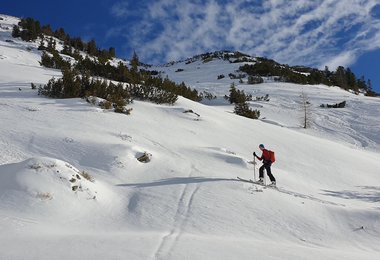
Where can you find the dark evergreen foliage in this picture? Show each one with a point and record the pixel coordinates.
(46, 29)
(150, 72)
(54, 60)
(29, 29)
(47, 60)
(342, 77)
(42, 47)
(243, 109)
(16, 31)
(74, 85)
(69, 86)
(262, 98)
(207, 95)
(337, 105)
(61, 34)
(237, 96)
(255, 79)
(230, 56)
(136, 78)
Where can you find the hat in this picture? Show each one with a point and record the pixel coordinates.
(261, 146)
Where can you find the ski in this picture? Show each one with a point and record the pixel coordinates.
(246, 180)
(252, 182)
(258, 183)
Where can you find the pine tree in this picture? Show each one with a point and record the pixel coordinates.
(233, 92)
(369, 84)
(71, 84)
(112, 52)
(91, 48)
(16, 31)
(135, 76)
(60, 34)
(361, 84)
(47, 61)
(135, 62)
(51, 45)
(46, 29)
(236, 96)
(340, 77)
(350, 79)
(243, 109)
(41, 47)
(327, 72)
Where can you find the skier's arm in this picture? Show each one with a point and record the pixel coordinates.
(260, 158)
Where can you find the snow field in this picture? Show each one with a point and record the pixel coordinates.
(186, 203)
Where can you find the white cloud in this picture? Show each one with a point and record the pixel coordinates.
(344, 58)
(308, 32)
(120, 9)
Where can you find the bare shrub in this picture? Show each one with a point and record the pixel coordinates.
(44, 195)
(87, 176)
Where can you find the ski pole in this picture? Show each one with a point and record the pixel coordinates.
(254, 168)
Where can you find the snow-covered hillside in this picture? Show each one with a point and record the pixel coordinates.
(358, 124)
(71, 186)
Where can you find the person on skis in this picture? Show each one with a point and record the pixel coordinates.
(267, 163)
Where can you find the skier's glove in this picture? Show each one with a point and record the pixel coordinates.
(254, 154)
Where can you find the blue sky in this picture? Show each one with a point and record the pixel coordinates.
(315, 33)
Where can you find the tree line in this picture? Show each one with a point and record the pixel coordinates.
(142, 85)
(29, 29)
(72, 84)
(79, 69)
(341, 77)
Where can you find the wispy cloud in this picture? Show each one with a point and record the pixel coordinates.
(120, 9)
(309, 32)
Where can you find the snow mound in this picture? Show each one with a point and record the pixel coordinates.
(44, 179)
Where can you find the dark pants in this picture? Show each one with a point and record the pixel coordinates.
(266, 166)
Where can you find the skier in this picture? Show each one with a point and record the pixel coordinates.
(267, 162)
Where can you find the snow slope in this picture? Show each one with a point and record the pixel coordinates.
(186, 203)
(358, 124)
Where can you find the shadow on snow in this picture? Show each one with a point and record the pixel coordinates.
(174, 181)
(368, 193)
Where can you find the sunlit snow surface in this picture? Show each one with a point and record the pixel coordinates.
(186, 203)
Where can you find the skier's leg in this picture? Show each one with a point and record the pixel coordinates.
(261, 172)
(269, 173)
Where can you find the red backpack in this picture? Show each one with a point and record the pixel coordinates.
(272, 156)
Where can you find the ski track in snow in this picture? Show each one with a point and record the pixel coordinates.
(308, 197)
(18, 221)
(168, 241)
(253, 188)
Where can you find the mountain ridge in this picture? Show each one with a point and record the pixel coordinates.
(30, 29)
